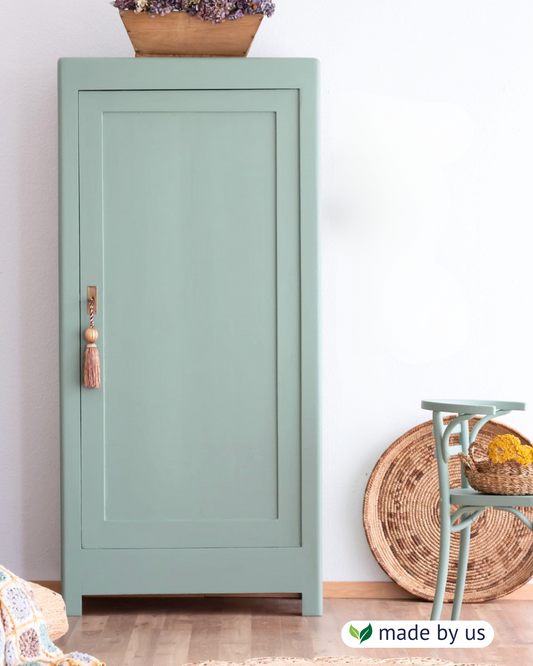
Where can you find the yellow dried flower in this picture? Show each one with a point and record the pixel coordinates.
(524, 454)
(508, 447)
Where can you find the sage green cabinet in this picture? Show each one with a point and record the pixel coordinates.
(188, 196)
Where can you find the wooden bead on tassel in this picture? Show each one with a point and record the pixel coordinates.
(91, 335)
(91, 360)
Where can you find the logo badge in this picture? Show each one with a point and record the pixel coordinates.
(417, 633)
(362, 635)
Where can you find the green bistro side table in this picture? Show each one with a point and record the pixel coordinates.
(471, 503)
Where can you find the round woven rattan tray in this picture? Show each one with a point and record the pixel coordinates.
(401, 521)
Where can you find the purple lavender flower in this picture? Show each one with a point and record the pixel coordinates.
(244, 7)
(125, 4)
(161, 7)
(214, 11)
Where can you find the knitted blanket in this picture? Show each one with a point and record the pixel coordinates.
(24, 638)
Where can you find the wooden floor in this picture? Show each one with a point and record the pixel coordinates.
(169, 631)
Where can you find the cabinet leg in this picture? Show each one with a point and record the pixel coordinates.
(312, 601)
(73, 600)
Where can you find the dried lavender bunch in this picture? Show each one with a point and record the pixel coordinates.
(214, 11)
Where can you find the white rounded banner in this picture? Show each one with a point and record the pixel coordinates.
(416, 633)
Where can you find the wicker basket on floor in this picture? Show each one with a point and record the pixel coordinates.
(508, 478)
(53, 609)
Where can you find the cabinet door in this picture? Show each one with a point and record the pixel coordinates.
(189, 227)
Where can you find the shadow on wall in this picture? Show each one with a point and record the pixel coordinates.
(390, 207)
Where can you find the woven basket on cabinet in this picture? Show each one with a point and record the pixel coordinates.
(178, 35)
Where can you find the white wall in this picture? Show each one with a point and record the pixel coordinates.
(427, 208)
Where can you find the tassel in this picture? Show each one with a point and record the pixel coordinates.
(91, 366)
(91, 358)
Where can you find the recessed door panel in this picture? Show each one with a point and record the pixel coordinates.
(189, 226)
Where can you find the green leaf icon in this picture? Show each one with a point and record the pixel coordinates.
(354, 632)
(365, 633)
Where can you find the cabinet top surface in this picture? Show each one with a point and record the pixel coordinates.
(185, 62)
(190, 73)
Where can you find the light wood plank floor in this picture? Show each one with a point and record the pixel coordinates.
(169, 631)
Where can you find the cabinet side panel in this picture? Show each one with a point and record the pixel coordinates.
(310, 318)
(69, 342)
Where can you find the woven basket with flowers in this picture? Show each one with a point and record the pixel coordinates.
(505, 469)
